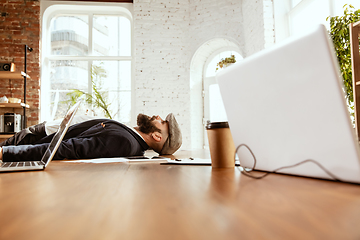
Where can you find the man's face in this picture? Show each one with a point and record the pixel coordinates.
(161, 124)
(152, 124)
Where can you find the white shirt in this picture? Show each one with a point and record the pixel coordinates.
(137, 132)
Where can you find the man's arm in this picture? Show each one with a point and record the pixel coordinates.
(74, 148)
(22, 152)
(96, 142)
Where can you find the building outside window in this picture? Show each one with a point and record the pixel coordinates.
(86, 46)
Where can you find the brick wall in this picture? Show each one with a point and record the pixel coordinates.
(161, 59)
(253, 27)
(211, 19)
(20, 26)
(269, 31)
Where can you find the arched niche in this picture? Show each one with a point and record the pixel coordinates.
(201, 56)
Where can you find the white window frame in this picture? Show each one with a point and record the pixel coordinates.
(284, 12)
(49, 9)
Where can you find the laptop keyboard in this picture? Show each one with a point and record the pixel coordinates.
(19, 164)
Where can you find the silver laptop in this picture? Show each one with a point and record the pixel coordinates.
(49, 153)
(287, 105)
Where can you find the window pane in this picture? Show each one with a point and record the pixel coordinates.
(111, 36)
(339, 10)
(315, 13)
(217, 109)
(124, 108)
(295, 2)
(64, 77)
(69, 35)
(114, 81)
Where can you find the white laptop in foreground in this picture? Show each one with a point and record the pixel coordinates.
(287, 105)
(50, 151)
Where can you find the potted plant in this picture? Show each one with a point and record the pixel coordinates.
(225, 62)
(340, 35)
(98, 98)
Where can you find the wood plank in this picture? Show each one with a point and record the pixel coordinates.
(153, 201)
(119, 1)
(357, 24)
(355, 65)
(13, 75)
(13, 105)
(3, 137)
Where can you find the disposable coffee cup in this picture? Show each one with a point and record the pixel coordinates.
(221, 144)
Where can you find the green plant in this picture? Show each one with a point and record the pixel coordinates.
(98, 98)
(340, 35)
(224, 62)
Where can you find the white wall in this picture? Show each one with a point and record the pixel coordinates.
(168, 33)
(161, 55)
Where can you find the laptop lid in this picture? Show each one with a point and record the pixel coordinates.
(287, 105)
(59, 135)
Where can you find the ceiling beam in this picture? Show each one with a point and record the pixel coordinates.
(124, 1)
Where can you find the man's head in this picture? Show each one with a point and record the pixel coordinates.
(147, 125)
(163, 136)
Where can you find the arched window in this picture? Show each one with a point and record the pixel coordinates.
(87, 47)
(214, 110)
(202, 79)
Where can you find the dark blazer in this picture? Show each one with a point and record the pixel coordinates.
(99, 138)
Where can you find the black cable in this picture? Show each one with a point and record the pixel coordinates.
(247, 172)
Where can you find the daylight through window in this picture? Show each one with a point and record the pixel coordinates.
(87, 54)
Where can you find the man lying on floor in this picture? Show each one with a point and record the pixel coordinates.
(97, 138)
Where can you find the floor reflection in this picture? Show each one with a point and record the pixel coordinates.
(224, 182)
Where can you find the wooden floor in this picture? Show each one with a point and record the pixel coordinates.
(154, 201)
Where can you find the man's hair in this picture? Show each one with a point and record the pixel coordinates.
(146, 125)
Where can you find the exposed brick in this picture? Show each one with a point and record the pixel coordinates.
(20, 27)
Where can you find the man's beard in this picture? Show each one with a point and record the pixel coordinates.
(146, 125)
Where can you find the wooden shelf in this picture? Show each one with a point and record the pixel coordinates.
(357, 24)
(6, 135)
(13, 75)
(354, 29)
(14, 105)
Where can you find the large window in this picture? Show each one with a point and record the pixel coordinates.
(294, 17)
(87, 49)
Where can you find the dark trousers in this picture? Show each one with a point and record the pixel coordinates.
(26, 136)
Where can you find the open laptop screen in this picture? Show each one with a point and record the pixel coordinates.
(287, 104)
(59, 135)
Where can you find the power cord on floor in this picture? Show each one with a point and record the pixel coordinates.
(247, 172)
